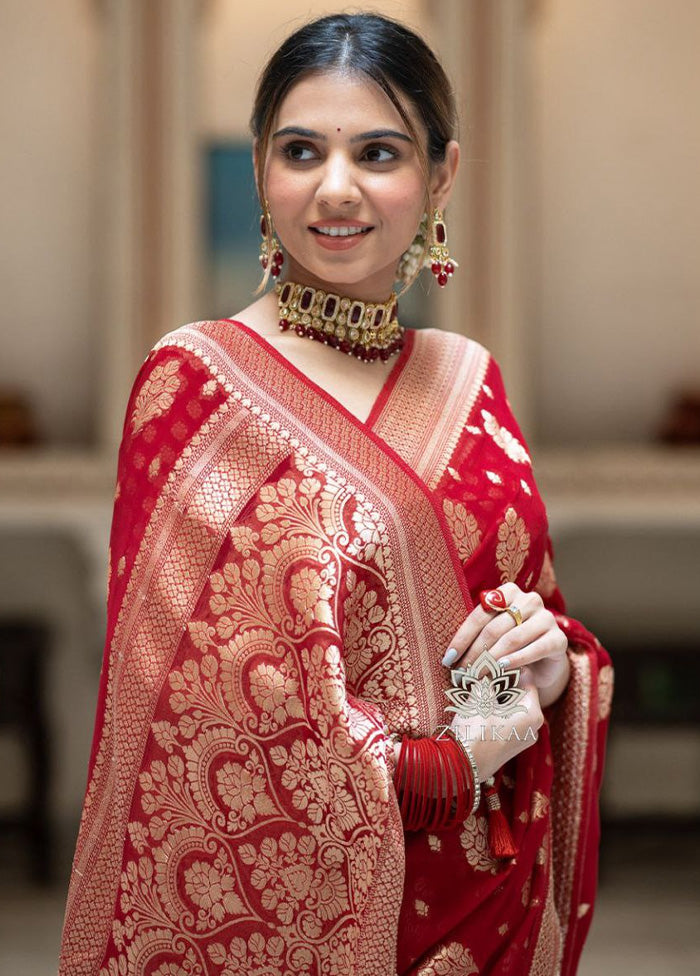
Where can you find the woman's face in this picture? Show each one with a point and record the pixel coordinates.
(340, 157)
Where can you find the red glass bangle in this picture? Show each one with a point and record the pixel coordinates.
(435, 785)
(430, 776)
(422, 784)
(406, 783)
(412, 770)
(412, 774)
(465, 792)
(426, 785)
(456, 770)
(445, 794)
(464, 786)
(400, 766)
(440, 787)
(418, 783)
(448, 762)
(402, 770)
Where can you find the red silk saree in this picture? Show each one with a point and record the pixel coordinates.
(284, 580)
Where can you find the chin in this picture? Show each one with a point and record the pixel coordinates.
(345, 274)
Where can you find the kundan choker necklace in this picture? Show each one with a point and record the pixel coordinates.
(367, 330)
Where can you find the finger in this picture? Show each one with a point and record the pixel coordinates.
(473, 625)
(547, 646)
(502, 633)
(526, 681)
(516, 638)
(527, 678)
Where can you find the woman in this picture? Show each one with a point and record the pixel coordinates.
(298, 541)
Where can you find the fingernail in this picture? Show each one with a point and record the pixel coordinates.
(450, 656)
(505, 662)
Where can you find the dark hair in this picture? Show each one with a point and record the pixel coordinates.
(389, 53)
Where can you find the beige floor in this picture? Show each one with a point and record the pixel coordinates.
(647, 916)
(646, 922)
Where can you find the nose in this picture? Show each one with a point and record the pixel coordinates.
(337, 186)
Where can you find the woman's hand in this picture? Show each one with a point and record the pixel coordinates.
(496, 739)
(537, 642)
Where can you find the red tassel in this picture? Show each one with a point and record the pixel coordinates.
(500, 838)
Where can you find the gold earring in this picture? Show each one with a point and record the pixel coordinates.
(270, 250)
(439, 260)
(413, 257)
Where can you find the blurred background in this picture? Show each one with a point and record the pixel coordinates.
(128, 209)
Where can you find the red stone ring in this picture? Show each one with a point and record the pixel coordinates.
(493, 600)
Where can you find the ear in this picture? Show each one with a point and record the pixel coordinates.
(444, 174)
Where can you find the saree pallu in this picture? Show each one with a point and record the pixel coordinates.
(283, 582)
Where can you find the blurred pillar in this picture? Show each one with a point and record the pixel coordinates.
(151, 186)
(482, 43)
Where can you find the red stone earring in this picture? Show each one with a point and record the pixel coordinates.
(441, 264)
(270, 250)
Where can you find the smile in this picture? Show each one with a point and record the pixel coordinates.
(341, 231)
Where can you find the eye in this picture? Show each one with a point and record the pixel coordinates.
(293, 151)
(392, 154)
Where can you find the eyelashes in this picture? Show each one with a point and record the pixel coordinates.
(292, 147)
(288, 150)
(393, 154)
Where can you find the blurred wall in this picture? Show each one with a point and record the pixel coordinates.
(615, 232)
(237, 38)
(49, 174)
(613, 215)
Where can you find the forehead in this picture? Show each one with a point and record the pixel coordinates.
(332, 100)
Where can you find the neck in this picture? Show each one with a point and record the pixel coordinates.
(375, 289)
(367, 330)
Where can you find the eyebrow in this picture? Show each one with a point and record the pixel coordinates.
(297, 130)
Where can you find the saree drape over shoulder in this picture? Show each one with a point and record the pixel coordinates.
(284, 581)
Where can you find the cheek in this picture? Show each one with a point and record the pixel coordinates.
(404, 215)
(284, 191)
(403, 202)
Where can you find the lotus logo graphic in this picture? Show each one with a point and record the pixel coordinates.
(495, 693)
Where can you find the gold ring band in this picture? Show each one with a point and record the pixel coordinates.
(515, 614)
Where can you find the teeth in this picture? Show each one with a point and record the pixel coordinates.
(341, 231)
